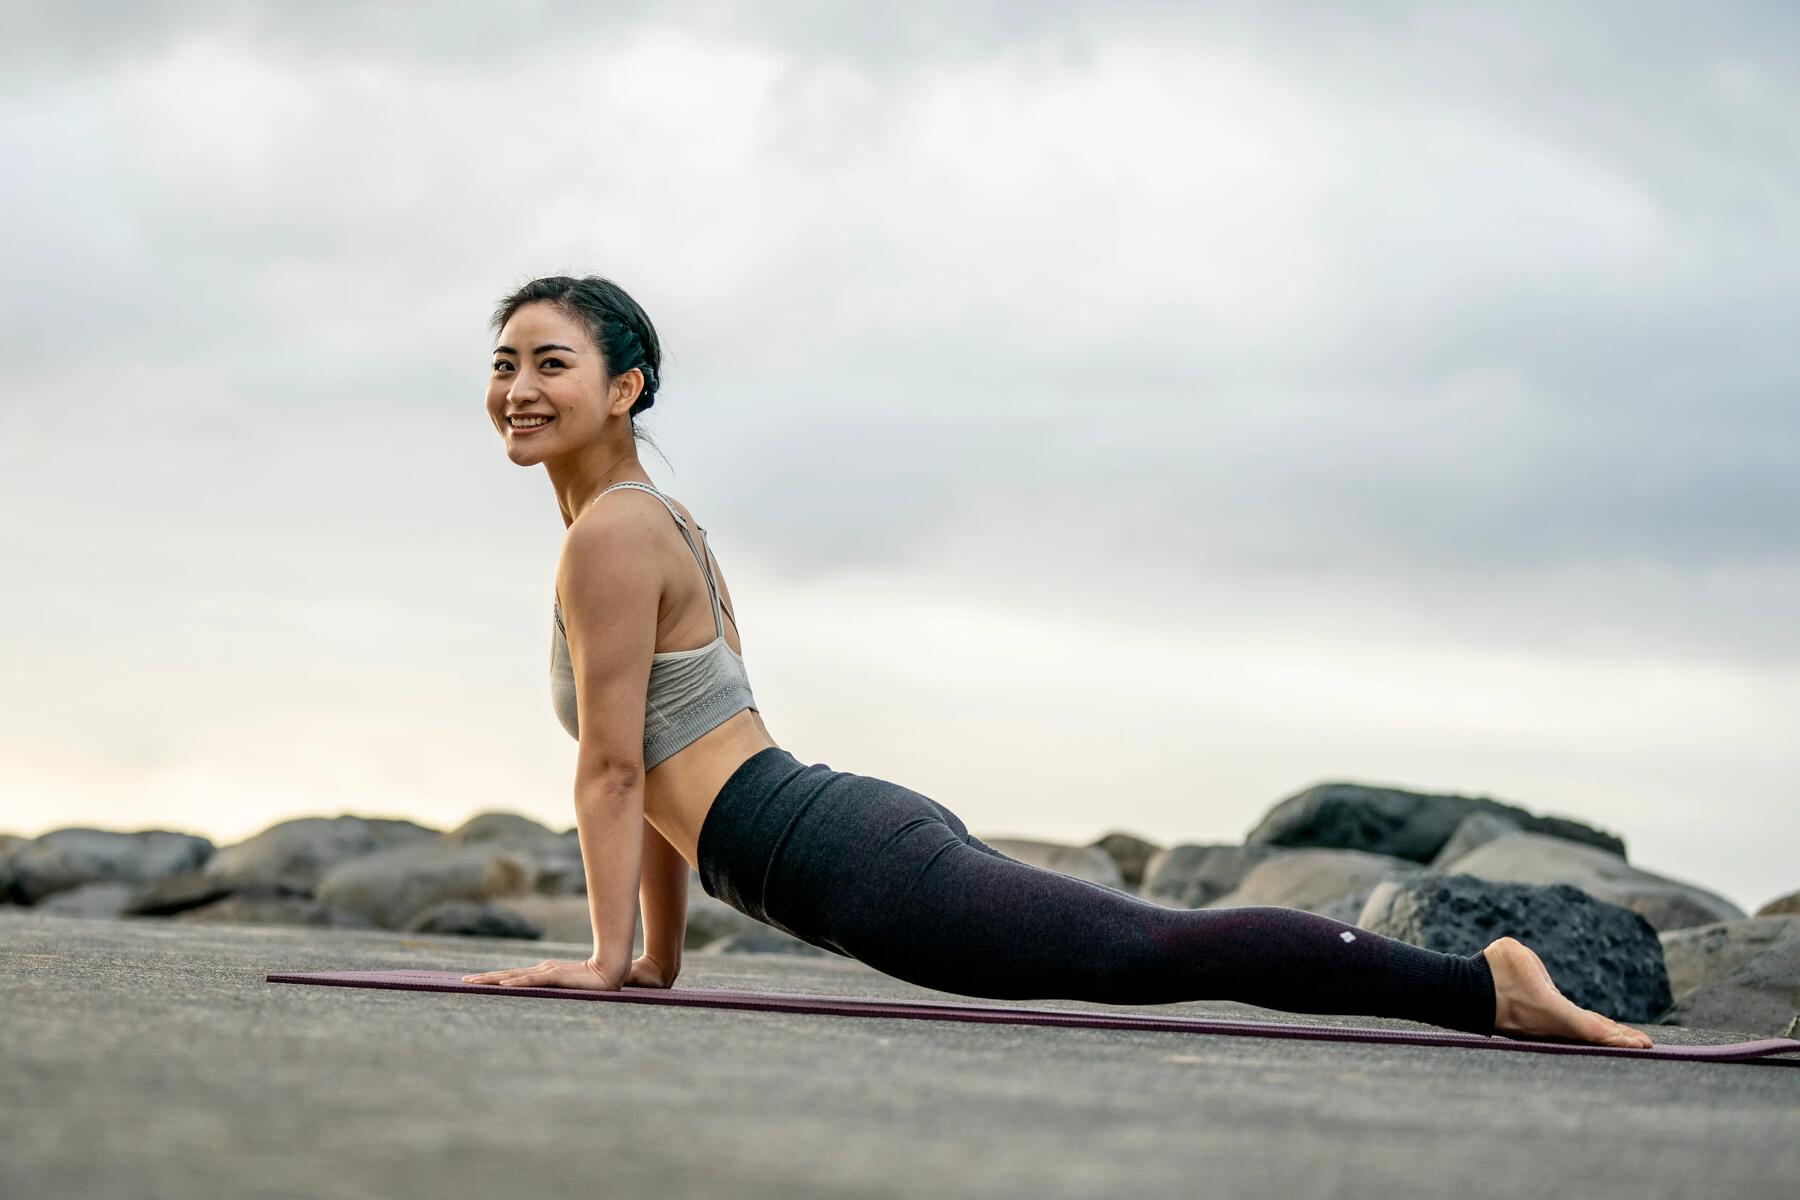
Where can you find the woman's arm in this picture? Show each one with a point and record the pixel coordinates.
(663, 893)
(610, 589)
(609, 813)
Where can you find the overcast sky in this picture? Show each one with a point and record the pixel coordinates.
(1106, 417)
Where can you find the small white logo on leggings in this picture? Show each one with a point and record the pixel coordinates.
(1347, 936)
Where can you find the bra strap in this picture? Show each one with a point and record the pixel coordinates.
(712, 590)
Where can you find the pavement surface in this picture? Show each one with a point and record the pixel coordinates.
(149, 1058)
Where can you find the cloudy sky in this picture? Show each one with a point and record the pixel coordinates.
(1107, 417)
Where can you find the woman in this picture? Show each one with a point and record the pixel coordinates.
(675, 766)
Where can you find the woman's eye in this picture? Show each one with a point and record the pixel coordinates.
(548, 361)
(498, 365)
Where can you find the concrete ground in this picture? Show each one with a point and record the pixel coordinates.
(148, 1058)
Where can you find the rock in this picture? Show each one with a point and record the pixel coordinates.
(1476, 829)
(762, 940)
(1702, 953)
(174, 893)
(1535, 858)
(499, 827)
(7, 842)
(103, 899)
(1083, 862)
(67, 858)
(1758, 996)
(1189, 876)
(564, 918)
(1314, 879)
(297, 853)
(1346, 908)
(1599, 955)
(389, 887)
(1130, 853)
(473, 919)
(1781, 906)
(710, 919)
(270, 904)
(1411, 825)
(557, 861)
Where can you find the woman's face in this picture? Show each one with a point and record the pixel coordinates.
(546, 365)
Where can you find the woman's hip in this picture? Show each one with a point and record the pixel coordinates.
(783, 839)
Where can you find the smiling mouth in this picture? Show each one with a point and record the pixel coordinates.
(530, 426)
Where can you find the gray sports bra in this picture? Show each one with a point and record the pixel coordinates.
(691, 691)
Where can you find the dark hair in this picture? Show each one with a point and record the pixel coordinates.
(620, 327)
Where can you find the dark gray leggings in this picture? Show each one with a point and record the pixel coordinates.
(879, 873)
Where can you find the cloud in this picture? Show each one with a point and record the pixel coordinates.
(1453, 327)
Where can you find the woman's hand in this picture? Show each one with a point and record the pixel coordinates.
(647, 972)
(589, 975)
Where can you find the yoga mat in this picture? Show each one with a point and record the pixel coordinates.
(843, 1006)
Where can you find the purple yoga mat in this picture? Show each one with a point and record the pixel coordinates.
(843, 1006)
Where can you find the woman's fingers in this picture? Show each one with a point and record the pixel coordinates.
(502, 976)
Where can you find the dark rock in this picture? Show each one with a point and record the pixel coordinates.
(1599, 955)
(68, 858)
(1535, 858)
(7, 842)
(297, 853)
(1411, 825)
(1191, 876)
(473, 919)
(1131, 853)
(1314, 880)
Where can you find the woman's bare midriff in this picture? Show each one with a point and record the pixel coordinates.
(679, 791)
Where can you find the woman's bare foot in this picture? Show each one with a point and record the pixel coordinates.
(1527, 1004)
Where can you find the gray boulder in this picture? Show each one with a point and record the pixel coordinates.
(763, 940)
(473, 919)
(390, 887)
(499, 827)
(710, 919)
(1315, 880)
(1130, 853)
(1411, 825)
(1781, 906)
(104, 899)
(1700, 954)
(1477, 829)
(67, 858)
(1534, 858)
(564, 918)
(174, 893)
(7, 842)
(1599, 955)
(1191, 876)
(1758, 996)
(297, 853)
(270, 904)
(1083, 862)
